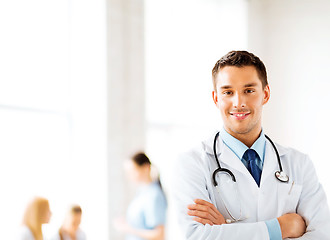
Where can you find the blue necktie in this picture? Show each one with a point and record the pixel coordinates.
(251, 157)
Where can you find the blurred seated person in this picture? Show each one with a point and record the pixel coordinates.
(37, 213)
(70, 229)
(146, 214)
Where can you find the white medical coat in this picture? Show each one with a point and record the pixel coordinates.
(303, 194)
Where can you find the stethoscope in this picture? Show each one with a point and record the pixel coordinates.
(279, 175)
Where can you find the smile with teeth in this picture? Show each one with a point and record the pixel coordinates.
(240, 116)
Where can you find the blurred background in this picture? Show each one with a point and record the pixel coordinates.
(85, 83)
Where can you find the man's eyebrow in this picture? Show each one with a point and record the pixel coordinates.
(226, 87)
(250, 85)
(246, 85)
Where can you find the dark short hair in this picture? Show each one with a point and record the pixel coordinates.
(240, 59)
(75, 209)
(141, 159)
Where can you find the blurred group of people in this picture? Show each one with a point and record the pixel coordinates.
(38, 213)
(145, 218)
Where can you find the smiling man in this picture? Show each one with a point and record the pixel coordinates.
(239, 184)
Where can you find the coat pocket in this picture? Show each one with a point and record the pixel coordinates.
(288, 197)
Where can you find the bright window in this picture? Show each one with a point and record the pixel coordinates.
(53, 111)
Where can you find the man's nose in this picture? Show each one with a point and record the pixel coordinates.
(238, 101)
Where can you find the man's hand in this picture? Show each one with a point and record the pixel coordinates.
(292, 225)
(205, 213)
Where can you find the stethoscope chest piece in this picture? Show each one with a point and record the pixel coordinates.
(281, 176)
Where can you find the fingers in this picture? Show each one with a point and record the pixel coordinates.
(203, 202)
(205, 213)
(206, 203)
(202, 215)
(203, 205)
(202, 211)
(203, 221)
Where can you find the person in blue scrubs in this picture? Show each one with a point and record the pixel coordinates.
(146, 214)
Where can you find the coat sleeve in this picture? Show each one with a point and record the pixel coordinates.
(313, 205)
(189, 183)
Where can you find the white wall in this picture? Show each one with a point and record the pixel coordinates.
(88, 105)
(292, 38)
(53, 111)
(126, 99)
(71, 108)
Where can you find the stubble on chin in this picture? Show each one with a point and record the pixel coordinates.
(239, 130)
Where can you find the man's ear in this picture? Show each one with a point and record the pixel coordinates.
(266, 94)
(215, 97)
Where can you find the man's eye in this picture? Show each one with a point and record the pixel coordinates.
(249, 91)
(227, 92)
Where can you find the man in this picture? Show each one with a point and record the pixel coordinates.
(251, 193)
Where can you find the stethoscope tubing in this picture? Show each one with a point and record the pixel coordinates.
(220, 169)
(277, 154)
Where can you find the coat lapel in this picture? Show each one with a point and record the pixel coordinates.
(270, 161)
(227, 158)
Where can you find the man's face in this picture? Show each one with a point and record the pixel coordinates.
(240, 98)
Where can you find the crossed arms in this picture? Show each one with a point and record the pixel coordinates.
(292, 224)
(202, 220)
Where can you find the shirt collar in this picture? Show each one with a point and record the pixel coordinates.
(239, 148)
